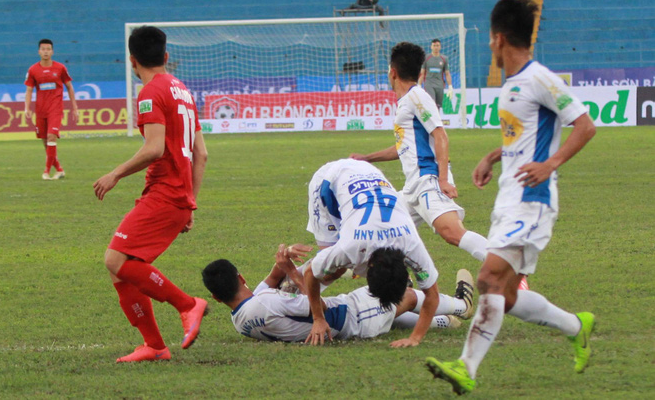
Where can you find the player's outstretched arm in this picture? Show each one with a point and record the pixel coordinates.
(153, 148)
(425, 316)
(387, 154)
(320, 326)
(483, 172)
(442, 155)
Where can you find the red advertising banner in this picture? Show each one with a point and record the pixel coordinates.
(300, 105)
(105, 115)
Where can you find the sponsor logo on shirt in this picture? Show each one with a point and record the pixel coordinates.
(514, 93)
(358, 186)
(48, 86)
(510, 126)
(145, 106)
(120, 235)
(435, 70)
(399, 132)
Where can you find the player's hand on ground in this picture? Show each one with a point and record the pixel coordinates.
(320, 328)
(104, 184)
(189, 225)
(357, 156)
(409, 342)
(534, 173)
(482, 173)
(448, 189)
(297, 251)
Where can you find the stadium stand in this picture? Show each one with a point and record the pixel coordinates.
(577, 34)
(90, 39)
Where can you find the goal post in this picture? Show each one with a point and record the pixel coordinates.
(300, 74)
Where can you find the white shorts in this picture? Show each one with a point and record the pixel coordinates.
(426, 202)
(365, 318)
(519, 234)
(321, 223)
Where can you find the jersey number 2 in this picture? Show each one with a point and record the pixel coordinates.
(189, 117)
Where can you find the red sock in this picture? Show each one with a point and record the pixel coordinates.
(51, 155)
(153, 283)
(138, 310)
(56, 164)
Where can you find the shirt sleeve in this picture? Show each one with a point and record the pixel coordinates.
(65, 77)
(551, 92)
(329, 260)
(421, 265)
(425, 109)
(150, 107)
(29, 79)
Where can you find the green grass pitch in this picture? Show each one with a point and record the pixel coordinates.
(62, 328)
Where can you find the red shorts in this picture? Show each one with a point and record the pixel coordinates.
(50, 124)
(148, 230)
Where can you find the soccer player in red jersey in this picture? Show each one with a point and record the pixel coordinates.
(49, 78)
(174, 153)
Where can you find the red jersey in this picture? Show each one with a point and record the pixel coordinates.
(49, 83)
(165, 100)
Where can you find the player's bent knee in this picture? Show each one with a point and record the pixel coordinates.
(114, 260)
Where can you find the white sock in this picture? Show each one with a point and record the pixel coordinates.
(534, 308)
(408, 321)
(475, 244)
(447, 305)
(485, 326)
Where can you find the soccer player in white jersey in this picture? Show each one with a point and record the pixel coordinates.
(270, 314)
(533, 105)
(355, 211)
(422, 146)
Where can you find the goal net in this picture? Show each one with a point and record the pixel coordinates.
(300, 74)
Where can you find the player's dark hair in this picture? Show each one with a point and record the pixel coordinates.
(221, 278)
(46, 41)
(436, 40)
(407, 59)
(387, 276)
(148, 45)
(515, 20)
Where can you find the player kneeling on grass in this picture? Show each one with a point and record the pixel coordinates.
(354, 212)
(534, 103)
(270, 314)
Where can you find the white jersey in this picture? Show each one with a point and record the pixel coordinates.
(416, 117)
(533, 105)
(359, 195)
(273, 315)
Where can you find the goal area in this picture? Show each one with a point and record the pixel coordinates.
(300, 74)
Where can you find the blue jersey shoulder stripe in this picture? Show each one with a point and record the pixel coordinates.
(329, 199)
(427, 164)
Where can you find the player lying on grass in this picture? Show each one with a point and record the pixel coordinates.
(354, 210)
(270, 314)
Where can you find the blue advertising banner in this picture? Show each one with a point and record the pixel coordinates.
(644, 77)
(83, 91)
